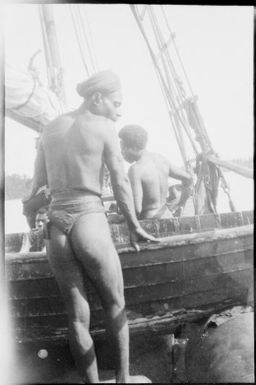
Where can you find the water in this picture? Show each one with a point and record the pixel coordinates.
(15, 221)
(241, 189)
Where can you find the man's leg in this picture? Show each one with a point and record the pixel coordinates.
(69, 275)
(93, 246)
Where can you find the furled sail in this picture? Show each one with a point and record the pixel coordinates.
(27, 100)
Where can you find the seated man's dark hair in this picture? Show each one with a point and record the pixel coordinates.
(134, 136)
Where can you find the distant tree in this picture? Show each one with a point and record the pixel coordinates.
(17, 186)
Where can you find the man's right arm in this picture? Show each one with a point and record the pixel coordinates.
(120, 182)
(40, 174)
(187, 182)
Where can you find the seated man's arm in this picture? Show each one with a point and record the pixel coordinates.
(136, 186)
(185, 178)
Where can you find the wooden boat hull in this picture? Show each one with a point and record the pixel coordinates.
(203, 264)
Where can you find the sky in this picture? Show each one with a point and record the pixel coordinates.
(216, 45)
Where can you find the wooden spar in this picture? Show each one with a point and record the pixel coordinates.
(54, 64)
(244, 171)
(28, 122)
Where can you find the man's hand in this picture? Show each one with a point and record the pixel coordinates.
(177, 211)
(140, 235)
(115, 218)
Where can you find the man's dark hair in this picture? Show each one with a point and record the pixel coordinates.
(134, 136)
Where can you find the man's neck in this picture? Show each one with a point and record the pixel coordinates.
(144, 154)
(85, 108)
(80, 110)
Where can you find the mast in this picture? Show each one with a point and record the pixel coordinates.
(52, 53)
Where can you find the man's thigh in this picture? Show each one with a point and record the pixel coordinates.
(92, 243)
(68, 272)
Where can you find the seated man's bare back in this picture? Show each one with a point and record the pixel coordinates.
(149, 180)
(149, 174)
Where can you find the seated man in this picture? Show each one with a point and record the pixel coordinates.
(149, 175)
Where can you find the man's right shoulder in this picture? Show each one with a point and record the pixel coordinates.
(107, 129)
(60, 120)
(134, 169)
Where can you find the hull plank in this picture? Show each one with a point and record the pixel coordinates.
(189, 275)
(226, 282)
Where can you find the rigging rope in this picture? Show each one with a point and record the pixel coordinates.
(84, 39)
(167, 90)
(89, 42)
(76, 29)
(163, 54)
(183, 110)
(176, 48)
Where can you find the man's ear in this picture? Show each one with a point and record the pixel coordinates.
(97, 98)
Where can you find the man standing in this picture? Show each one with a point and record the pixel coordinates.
(71, 158)
(149, 175)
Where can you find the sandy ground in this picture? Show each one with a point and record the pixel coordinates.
(154, 356)
(148, 356)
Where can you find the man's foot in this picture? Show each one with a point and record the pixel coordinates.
(140, 380)
(132, 380)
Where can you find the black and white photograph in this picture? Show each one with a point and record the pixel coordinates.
(127, 193)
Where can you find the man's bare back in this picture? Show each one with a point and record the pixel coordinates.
(74, 148)
(150, 173)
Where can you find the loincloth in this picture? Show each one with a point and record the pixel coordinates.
(63, 213)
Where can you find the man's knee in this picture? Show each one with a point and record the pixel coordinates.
(115, 300)
(79, 318)
(79, 323)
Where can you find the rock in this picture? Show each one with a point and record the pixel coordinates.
(224, 353)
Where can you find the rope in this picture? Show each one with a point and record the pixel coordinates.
(173, 112)
(28, 98)
(75, 25)
(83, 38)
(89, 40)
(226, 190)
(181, 92)
(35, 81)
(192, 142)
(176, 49)
(164, 54)
(84, 34)
(174, 94)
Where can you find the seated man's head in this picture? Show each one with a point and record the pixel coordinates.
(41, 217)
(102, 94)
(133, 140)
